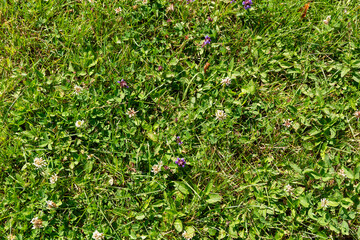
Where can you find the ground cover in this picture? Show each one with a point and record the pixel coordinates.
(179, 119)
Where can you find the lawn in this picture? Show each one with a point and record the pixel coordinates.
(179, 119)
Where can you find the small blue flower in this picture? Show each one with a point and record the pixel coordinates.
(188, 1)
(207, 40)
(178, 140)
(247, 4)
(181, 162)
(123, 83)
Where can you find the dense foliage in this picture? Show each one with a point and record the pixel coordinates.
(176, 119)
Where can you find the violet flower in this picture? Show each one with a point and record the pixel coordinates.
(181, 162)
(207, 41)
(247, 4)
(123, 83)
(178, 140)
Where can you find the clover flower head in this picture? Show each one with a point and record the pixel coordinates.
(170, 8)
(187, 235)
(11, 237)
(324, 203)
(220, 115)
(118, 10)
(327, 20)
(53, 178)
(287, 123)
(37, 223)
(289, 189)
(357, 114)
(51, 204)
(39, 162)
(77, 89)
(181, 162)
(131, 112)
(156, 169)
(79, 123)
(98, 236)
(226, 81)
(342, 173)
(111, 181)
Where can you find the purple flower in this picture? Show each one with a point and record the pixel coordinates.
(123, 83)
(188, 1)
(207, 41)
(160, 68)
(181, 162)
(233, 1)
(178, 140)
(210, 19)
(247, 4)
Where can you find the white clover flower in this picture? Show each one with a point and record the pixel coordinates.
(53, 178)
(226, 81)
(170, 8)
(79, 123)
(289, 189)
(357, 114)
(37, 223)
(39, 162)
(131, 112)
(324, 203)
(327, 20)
(287, 123)
(111, 181)
(11, 237)
(342, 173)
(118, 10)
(77, 89)
(51, 204)
(156, 169)
(220, 115)
(98, 236)
(187, 236)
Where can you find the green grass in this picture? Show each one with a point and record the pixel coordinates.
(282, 68)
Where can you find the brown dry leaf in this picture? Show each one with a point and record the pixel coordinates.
(304, 9)
(207, 65)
